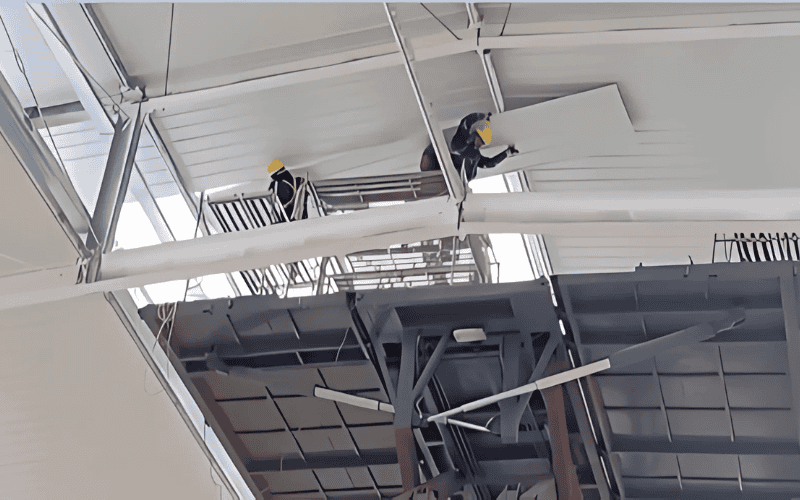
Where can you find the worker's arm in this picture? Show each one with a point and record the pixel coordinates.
(492, 162)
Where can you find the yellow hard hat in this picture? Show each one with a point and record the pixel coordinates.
(485, 134)
(275, 166)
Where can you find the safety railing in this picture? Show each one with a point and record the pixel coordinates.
(428, 263)
(762, 248)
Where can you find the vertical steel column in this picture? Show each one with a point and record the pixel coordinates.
(451, 177)
(404, 413)
(115, 179)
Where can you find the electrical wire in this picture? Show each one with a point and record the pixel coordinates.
(506, 20)
(440, 21)
(21, 67)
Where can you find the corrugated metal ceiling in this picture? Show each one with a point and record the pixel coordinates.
(711, 114)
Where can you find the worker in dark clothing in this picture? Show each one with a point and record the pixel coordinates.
(429, 161)
(287, 189)
(473, 133)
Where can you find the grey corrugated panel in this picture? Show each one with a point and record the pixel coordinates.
(627, 390)
(691, 377)
(755, 358)
(768, 424)
(648, 465)
(349, 378)
(256, 415)
(374, 437)
(755, 391)
(224, 387)
(355, 416)
(262, 446)
(308, 412)
(697, 392)
(288, 480)
(709, 466)
(699, 422)
(322, 440)
(336, 479)
(644, 422)
(770, 467)
(386, 475)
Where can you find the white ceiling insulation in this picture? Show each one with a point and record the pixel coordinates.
(706, 114)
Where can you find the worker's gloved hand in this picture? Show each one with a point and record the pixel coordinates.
(488, 115)
(512, 151)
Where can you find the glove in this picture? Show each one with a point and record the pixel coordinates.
(512, 151)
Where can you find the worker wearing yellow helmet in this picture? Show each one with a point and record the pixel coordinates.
(473, 133)
(286, 188)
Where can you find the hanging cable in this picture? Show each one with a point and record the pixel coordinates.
(440, 21)
(336, 360)
(21, 67)
(506, 20)
(169, 48)
(145, 384)
(210, 466)
(72, 56)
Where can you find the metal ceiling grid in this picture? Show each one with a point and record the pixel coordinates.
(713, 421)
(256, 361)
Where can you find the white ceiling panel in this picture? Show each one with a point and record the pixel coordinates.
(734, 98)
(217, 44)
(552, 17)
(362, 124)
(48, 81)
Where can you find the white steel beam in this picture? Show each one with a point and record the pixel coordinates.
(475, 17)
(89, 100)
(116, 178)
(623, 214)
(367, 59)
(491, 79)
(454, 184)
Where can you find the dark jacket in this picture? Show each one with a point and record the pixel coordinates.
(463, 151)
(285, 185)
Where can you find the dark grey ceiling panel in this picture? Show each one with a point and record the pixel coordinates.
(709, 466)
(699, 391)
(302, 413)
(728, 401)
(267, 445)
(758, 391)
(629, 391)
(714, 419)
(252, 415)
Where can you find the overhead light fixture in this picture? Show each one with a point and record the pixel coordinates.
(469, 335)
(625, 357)
(350, 399)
